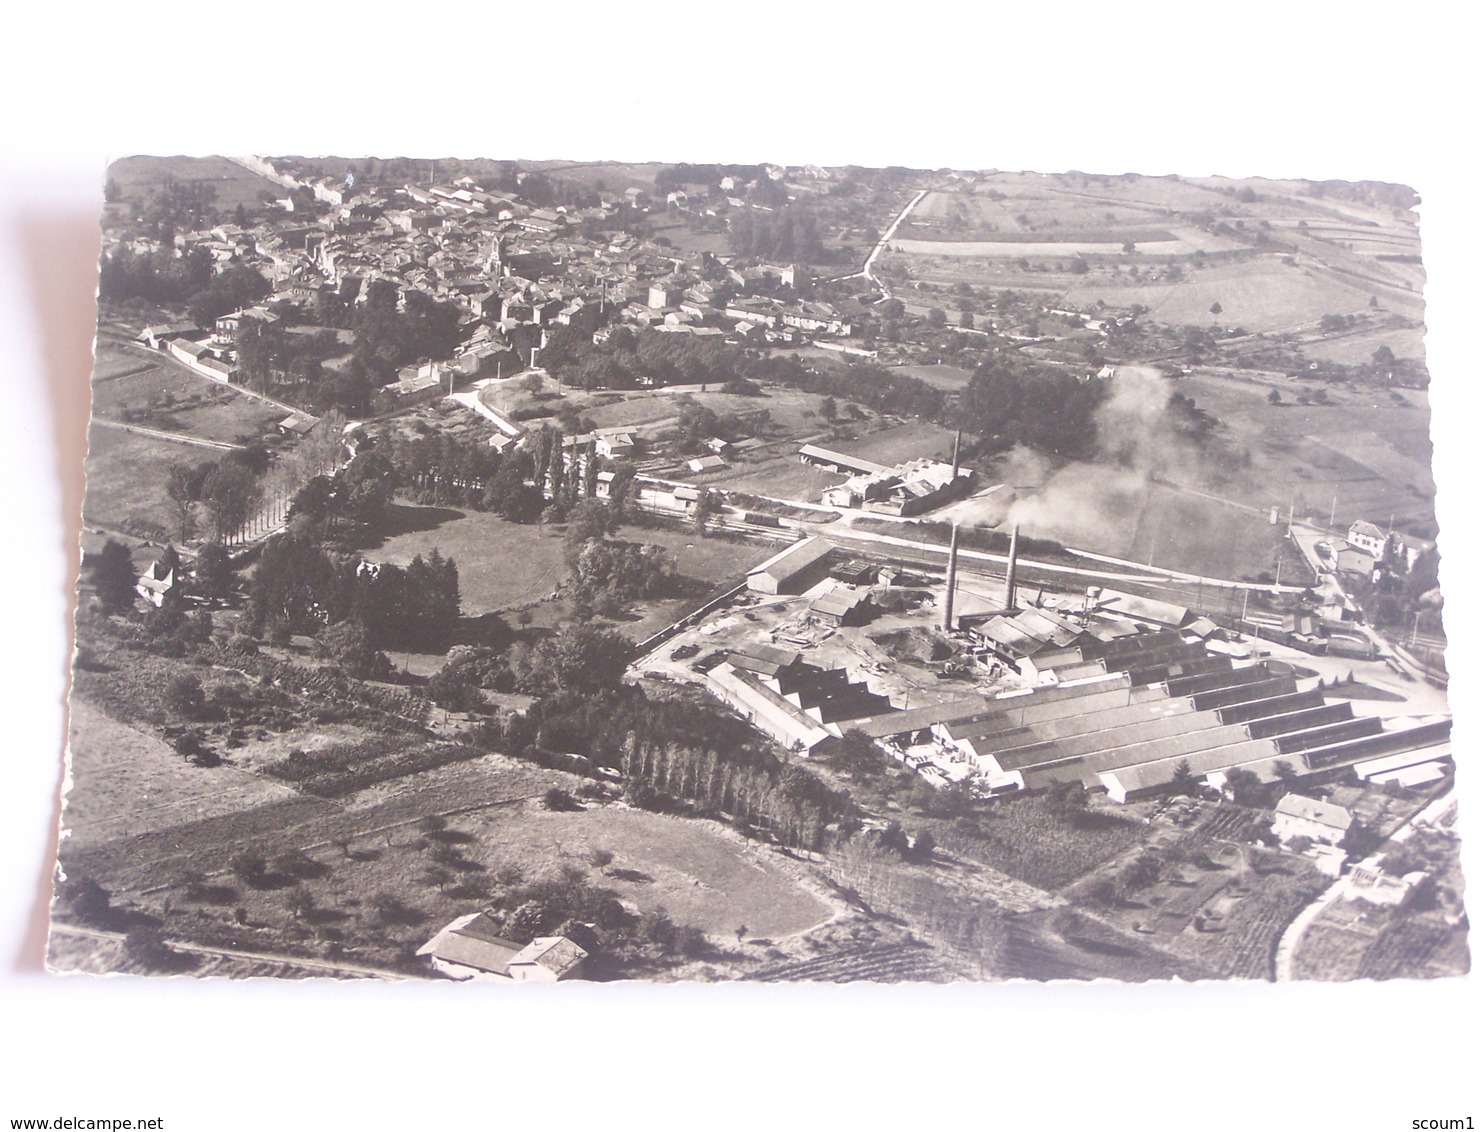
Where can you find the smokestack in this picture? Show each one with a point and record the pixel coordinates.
(958, 437)
(952, 581)
(1010, 569)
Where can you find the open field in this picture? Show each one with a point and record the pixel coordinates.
(160, 858)
(500, 564)
(503, 565)
(1373, 455)
(897, 444)
(697, 872)
(139, 176)
(951, 378)
(682, 239)
(126, 479)
(129, 782)
(172, 400)
(1357, 349)
(1260, 294)
(990, 249)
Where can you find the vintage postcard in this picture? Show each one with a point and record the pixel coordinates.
(516, 571)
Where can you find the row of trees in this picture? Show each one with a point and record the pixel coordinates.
(228, 492)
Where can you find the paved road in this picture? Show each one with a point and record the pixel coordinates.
(176, 437)
(164, 356)
(1180, 575)
(881, 246)
(1293, 936)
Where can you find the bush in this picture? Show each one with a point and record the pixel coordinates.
(558, 800)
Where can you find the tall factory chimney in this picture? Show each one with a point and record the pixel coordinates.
(958, 438)
(952, 581)
(1010, 568)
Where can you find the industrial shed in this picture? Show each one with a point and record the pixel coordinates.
(792, 571)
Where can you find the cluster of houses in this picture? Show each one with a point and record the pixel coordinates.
(514, 270)
(910, 488)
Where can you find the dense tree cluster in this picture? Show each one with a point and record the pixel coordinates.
(228, 492)
(1045, 408)
(164, 279)
(271, 357)
(789, 233)
(388, 338)
(300, 587)
(626, 357)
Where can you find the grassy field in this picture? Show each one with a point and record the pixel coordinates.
(169, 399)
(1373, 455)
(682, 239)
(951, 378)
(1260, 294)
(1356, 349)
(897, 444)
(500, 564)
(137, 177)
(127, 475)
(127, 782)
(503, 565)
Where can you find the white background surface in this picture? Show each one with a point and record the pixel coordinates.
(1284, 90)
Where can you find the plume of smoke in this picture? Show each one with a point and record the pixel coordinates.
(1098, 503)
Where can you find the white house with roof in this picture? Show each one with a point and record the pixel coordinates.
(470, 949)
(1367, 537)
(1298, 816)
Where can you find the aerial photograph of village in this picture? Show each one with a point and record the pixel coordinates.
(534, 571)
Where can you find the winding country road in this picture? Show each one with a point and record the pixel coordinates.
(865, 272)
(1294, 934)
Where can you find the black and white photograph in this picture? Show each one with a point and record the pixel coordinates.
(499, 570)
(906, 568)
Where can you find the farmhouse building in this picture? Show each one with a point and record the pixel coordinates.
(469, 949)
(1298, 816)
